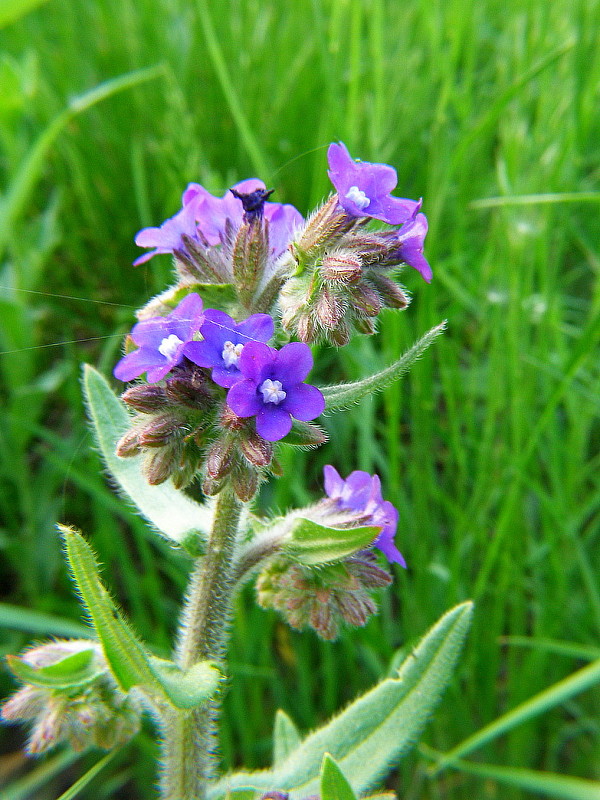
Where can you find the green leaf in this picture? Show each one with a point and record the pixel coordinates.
(12, 10)
(89, 776)
(311, 543)
(541, 783)
(187, 690)
(286, 737)
(345, 394)
(305, 434)
(24, 619)
(74, 670)
(334, 785)
(563, 690)
(172, 512)
(376, 730)
(126, 656)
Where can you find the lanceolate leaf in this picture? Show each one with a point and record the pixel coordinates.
(125, 655)
(172, 512)
(285, 737)
(334, 785)
(311, 543)
(343, 395)
(377, 730)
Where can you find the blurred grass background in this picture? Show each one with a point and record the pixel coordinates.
(490, 111)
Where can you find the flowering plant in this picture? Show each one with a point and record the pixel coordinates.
(224, 389)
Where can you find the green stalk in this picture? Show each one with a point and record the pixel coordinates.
(188, 736)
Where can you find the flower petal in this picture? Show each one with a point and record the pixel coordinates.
(304, 402)
(136, 363)
(273, 423)
(258, 327)
(243, 399)
(294, 362)
(333, 482)
(256, 361)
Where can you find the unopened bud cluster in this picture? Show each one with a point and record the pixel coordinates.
(342, 281)
(90, 712)
(325, 597)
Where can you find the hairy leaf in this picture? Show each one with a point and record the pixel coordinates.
(187, 690)
(286, 737)
(73, 670)
(311, 543)
(345, 394)
(172, 512)
(376, 730)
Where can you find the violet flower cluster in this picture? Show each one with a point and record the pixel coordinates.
(262, 382)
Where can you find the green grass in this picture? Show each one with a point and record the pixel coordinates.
(489, 447)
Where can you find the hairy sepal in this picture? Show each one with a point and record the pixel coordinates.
(168, 510)
(73, 671)
(334, 784)
(345, 394)
(311, 543)
(378, 729)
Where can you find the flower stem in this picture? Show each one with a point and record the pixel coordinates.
(189, 736)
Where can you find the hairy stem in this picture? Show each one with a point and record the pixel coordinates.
(188, 737)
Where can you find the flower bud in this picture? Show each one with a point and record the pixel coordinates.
(220, 459)
(330, 309)
(147, 398)
(85, 708)
(365, 300)
(129, 445)
(159, 431)
(326, 225)
(391, 293)
(256, 450)
(342, 267)
(249, 258)
(245, 481)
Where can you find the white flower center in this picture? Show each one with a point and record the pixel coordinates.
(169, 345)
(358, 197)
(272, 392)
(231, 353)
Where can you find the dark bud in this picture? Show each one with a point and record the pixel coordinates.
(211, 487)
(231, 421)
(330, 309)
(256, 450)
(192, 391)
(365, 325)
(366, 301)
(340, 336)
(128, 445)
(159, 431)
(341, 267)
(220, 459)
(160, 466)
(244, 480)
(145, 398)
(253, 202)
(391, 294)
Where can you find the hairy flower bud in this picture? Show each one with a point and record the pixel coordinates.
(342, 267)
(366, 301)
(129, 445)
(147, 398)
(85, 709)
(159, 431)
(322, 598)
(256, 450)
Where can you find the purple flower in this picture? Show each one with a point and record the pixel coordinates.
(169, 236)
(272, 389)
(361, 492)
(364, 188)
(410, 240)
(203, 218)
(213, 213)
(161, 341)
(224, 341)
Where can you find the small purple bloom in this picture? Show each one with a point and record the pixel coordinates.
(203, 218)
(224, 341)
(161, 341)
(410, 238)
(364, 188)
(273, 388)
(169, 236)
(213, 213)
(361, 492)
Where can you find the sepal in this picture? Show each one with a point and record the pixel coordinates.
(334, 784)
(311, 544)
(73, 670)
